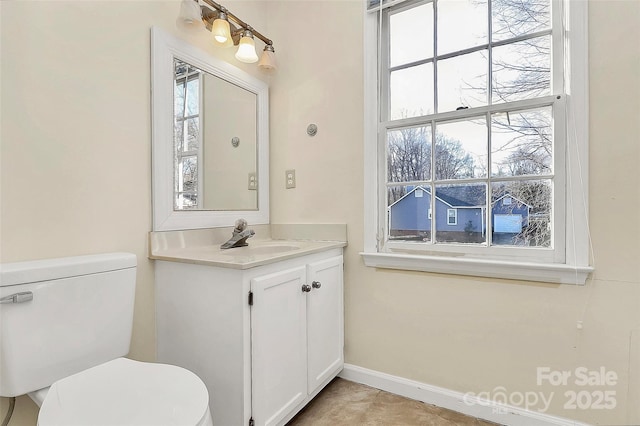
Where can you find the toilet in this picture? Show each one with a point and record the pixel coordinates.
(65, 328)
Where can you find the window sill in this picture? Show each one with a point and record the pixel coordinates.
(542, 272)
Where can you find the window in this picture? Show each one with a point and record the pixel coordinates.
(471, 107)
(188, 149)
(452, 217)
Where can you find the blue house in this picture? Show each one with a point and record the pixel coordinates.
(460, 213)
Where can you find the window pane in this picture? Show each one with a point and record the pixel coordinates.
(462, 81)
(412, 92)
(188, 168)
(185, 201)
(522, 143)
(452, 216)
(178, 135)
(180, 73)
(375, 4)
(461, 149)
(193, 95)
(409, 154)
(521, 213)
(193, 130)
(514, 18)
(178, 99)
(408, 209)
(411, 35)
(461, 24)
(522, 70)
(460, 213)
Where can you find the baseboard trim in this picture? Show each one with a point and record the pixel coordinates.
(453, 400)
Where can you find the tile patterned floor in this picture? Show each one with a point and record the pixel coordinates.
(345, 403)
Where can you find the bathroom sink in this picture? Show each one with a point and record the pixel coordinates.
(258, 250)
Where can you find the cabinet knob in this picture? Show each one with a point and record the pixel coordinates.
(316, 284)
(306, 288)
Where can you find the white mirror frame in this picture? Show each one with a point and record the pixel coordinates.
(164, 48)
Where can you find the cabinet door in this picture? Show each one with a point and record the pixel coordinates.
(278, 345)
(325, 321)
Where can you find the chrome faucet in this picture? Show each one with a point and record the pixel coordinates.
(239, 236)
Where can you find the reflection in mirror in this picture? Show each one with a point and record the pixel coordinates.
(186, 135)
(215, 142)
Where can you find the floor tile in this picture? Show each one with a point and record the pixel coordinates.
(345, 403)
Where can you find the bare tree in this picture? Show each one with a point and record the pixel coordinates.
(452, 161)
(537, 195)
(512, 18)
(409, 155)
(529, 143)
(524, 73)
(409, 158)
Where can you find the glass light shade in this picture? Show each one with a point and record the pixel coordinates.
(221, 33)
(190, 16)
(268, 61)
(247, 50)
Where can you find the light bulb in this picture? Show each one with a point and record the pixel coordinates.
(247, 49)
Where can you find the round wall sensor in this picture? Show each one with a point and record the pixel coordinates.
(312, 129)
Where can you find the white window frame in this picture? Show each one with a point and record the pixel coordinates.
(455, 217)
(569, 261)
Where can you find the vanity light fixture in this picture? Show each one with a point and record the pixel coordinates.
(190, 18)
(247, 48)
(221, 30)
(228, 30)
(268, 58)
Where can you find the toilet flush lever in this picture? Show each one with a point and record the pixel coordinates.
(21, 297)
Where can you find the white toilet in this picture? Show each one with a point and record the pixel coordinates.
(65, 325)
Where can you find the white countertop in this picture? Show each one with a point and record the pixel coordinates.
(272, 243)
(257, 253)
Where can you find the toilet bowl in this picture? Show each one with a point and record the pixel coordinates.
(66, 325)
(127, 392)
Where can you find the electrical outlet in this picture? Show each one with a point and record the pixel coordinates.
(290, 179)
(253, 181)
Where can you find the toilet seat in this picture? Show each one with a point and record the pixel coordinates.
(127, 392)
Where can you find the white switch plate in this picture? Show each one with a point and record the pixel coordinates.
(290, 179)
(253, 182)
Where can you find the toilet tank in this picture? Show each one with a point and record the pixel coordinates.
(80, 316)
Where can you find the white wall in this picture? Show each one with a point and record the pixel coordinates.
(463, 333)
(76, 136)
(226, 168)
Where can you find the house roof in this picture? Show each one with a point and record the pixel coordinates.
(511, 196)
(455, 196)
(461, 195)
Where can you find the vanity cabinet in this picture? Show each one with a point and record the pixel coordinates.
(296, 336)
(265, 340)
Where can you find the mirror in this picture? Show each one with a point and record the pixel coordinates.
(210, 139)
(215, 143)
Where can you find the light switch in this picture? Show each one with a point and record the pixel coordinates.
(253, 182)
(290, 180)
